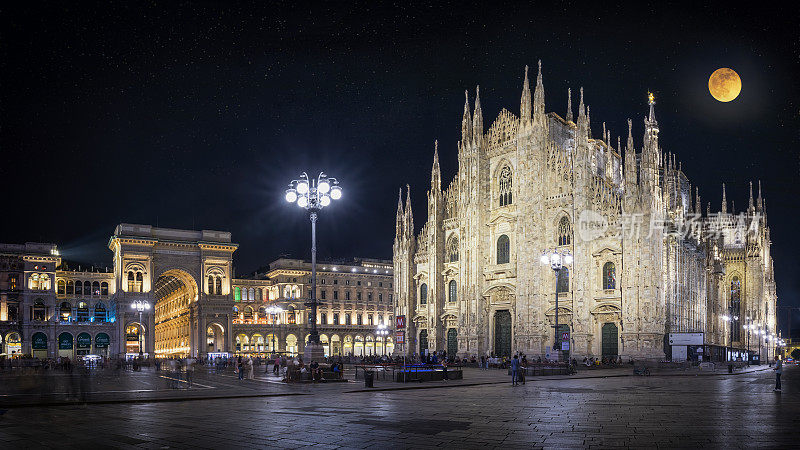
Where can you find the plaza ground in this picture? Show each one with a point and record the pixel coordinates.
(484, 410)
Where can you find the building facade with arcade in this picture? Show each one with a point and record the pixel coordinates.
(172, 292)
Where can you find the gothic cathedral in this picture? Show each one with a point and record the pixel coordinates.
(645, 260)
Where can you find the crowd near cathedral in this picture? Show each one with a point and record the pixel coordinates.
(646, 261)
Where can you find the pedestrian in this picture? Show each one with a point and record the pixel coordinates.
(778, 371)
(444, 370)
(514, 370)
(240, 367)
(250, 368)
(189, 371)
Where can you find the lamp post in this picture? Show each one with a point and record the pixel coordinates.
(383, 332)
(313, 195)
(747, 327)
(140, 306)
(556, 259)
(273, 311)
(730, 319)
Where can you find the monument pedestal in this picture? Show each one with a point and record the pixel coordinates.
(313, 352)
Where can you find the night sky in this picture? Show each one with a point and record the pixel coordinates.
(197, 115)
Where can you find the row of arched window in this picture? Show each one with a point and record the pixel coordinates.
(81, 313)
(39, 282)
(251, 294)
(135, 281)
(215, 284)
(452, 292)
(89, 289)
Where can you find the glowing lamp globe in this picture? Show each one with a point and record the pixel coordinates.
(302, 202)
(336, 192)
(325, 200)
(291, 195)
(302, 187)
(324, 187)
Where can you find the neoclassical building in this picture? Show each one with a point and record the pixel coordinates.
(647, 261)
(50, 308)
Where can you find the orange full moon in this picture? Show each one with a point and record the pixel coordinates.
(724, 84)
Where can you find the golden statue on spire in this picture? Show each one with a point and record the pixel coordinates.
(651, 99)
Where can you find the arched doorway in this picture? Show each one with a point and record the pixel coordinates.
(326, 348)
(66, 345)
(258, 343)
(101, 343)
(83, 344)
(174, 290)
(348, 345)
(423, 341)
(502, 333)
(215, 338)
(39, 345)
(291, 344)
(336, 345)
(610, 339)
(242, 343)
(13, 344)
(452, 342)
(134, 339)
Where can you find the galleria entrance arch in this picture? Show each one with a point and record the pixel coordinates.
(166, 268)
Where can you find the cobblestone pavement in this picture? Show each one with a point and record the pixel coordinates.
(657, 411)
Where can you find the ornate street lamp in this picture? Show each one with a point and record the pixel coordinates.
(140, 306)
(313, 195)
(556, 259)
(273, 311)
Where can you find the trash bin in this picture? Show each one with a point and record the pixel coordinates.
(369, 378)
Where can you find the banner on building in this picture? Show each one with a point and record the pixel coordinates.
(400, 337)
(400, 322)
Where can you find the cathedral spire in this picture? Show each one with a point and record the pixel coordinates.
(582, 124)
(538, 94)
(724, 200)
(630, 136)
(760, 201)
(436, 174)
(525, 101)
(466, 123)
(604, 133)
(400, 203)
(477, 120)
(399, 218)
(588, 122)
(409, 213)
(569, 105)
(751, 205)
(697, 204)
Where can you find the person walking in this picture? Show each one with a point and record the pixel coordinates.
(250, 368)
(240, 367)
(514, 370)
(444, 370)
(778, 371)
(189, 371)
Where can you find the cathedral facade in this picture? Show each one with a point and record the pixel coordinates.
(646, 262)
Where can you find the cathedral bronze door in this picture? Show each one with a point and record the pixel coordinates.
(610, 339)
(452, 342)
(502, 333)
(423, 341)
